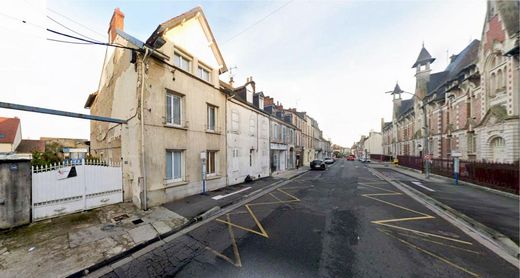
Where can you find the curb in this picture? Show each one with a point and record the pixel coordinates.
(142, 248)
(494, 240)
(446, 179)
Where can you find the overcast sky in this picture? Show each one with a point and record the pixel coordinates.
(332, 59)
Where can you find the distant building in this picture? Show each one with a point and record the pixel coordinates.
(10, 134)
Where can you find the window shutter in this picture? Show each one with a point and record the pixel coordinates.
(169, 165)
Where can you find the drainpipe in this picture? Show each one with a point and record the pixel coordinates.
(145, 186)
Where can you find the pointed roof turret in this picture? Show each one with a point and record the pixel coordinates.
(397, 89)
(424, 57)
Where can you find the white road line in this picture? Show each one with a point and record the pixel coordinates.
(218, 197)
(418, 183)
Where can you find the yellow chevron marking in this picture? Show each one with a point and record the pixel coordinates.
(432, 254)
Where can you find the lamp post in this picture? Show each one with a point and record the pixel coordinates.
(426, 153)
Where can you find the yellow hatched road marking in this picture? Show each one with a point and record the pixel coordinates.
(237, 262)
(432, 254)
(439, 243)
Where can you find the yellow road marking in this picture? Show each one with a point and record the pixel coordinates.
(272, 195)
(237, 262)
(272, 203)
(383, 189)
(394, 205)
(439, 243)
(432, 254)
(294, 198)
(256, 221)
(425, 233)
(298, 187)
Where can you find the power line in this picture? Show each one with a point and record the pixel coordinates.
(258, 21)
(78, 23)
(71, 42)
(92, 42)
(73, 31)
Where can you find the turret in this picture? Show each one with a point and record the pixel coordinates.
(422, 74)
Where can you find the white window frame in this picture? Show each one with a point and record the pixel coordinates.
(182, 61)
(169, 118)
(209, 160)
(201, 70)
(235, 121)
(252, 125)
(170, 155)
(209, 109)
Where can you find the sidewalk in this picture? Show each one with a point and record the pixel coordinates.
(66, 245)
(495, 210)
(193, 206)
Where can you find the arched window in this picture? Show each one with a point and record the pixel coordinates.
(497, 146)
(500, 80)
(504, 78)
(492, 85)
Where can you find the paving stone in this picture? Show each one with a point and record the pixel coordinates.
(142, 233)
(161, 227)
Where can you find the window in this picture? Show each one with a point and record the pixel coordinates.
(212, 114)
(252, 126)
(211, 164)
(275, 132)
(284, 132)
(234, 121)
(182, 62)
(203, 74)
(472, 143)
(173, 109)
(235, 159)
(174, 165)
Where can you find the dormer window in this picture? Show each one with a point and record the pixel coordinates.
(261, 103)
(182, 61)
(203, 74)
(249, 95)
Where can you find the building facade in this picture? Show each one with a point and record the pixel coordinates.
(472, 106)
(168, 91)
(247, 134)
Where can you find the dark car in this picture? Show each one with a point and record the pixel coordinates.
(318, 165)
(351, 158)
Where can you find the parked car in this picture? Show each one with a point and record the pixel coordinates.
(318, 165)
(328, 160)
(365, 160)
(351, 157)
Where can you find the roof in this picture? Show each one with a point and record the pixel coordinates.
(424, 57)
(28, 146)
(466, 58)
(130, 39)
(509, 12)
(8, 129)
(90, 100)
(406, 105)
(178, 20)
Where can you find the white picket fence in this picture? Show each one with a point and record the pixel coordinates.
(65, 188)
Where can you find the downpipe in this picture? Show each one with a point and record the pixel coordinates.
(143, 152)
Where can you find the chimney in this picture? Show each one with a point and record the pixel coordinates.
(117, 22)
(268, 101)
(231, 81)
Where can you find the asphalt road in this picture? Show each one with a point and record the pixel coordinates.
(342, 222)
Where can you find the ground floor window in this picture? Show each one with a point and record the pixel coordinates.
(174, 165)
(211, 164)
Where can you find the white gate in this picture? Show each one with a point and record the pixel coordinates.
(67, 188)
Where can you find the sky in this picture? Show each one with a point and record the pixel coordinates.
(331, 59)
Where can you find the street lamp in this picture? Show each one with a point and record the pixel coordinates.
(397, 90)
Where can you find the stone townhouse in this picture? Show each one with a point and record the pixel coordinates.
(167, 88)
(282, 138)
(294, 117)
(472, 106)
(247, 133)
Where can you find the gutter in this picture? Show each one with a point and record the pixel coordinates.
(143, 152)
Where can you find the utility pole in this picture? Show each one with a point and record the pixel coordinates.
(426, 152)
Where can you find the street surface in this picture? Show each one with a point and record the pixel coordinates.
(342, 222)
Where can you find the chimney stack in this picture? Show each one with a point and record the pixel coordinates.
(117, 22)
